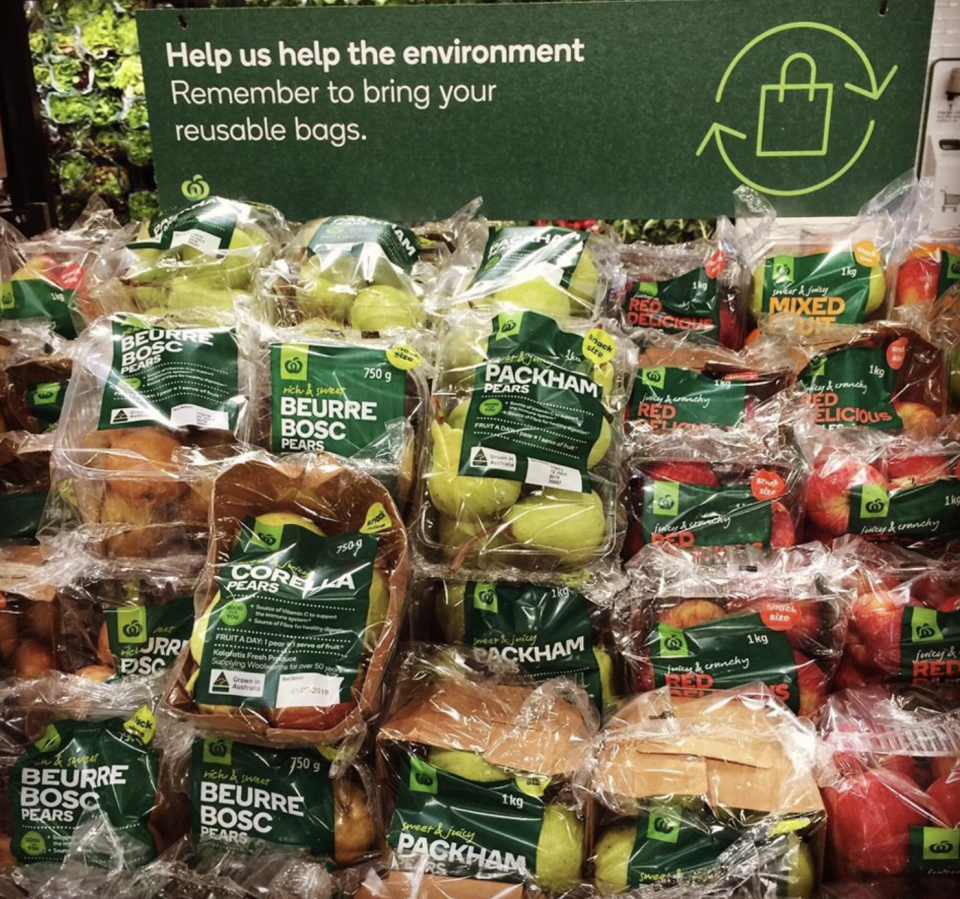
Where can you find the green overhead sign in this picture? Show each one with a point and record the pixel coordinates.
(634, 108)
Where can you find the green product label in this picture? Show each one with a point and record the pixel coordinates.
(727, 652)
(535, 412)
(77, 772)
(689, 302)
(545, 630)
(462, 828)
(148, 639)
(852, 386)
(912, 513)
(352, 234)
(518, 253)
(949, 271)
(671, 842)
(177, 377)
(691, 514)
(831, 287)
(668, 398)
(934, 850)
(206, 227)
(336, 399)
(242, 796)
(929, 645)
(45, 401)
(20, 514)
(287, 627)
(22, 298)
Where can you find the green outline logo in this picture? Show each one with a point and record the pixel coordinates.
(663, 825)
(666, 498)
(132, 625)
(924, 626)
(874, 501)
(195, 188)
(423, 776)
(673, 642)
(218, 751)
(485, 596)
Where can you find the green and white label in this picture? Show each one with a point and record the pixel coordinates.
(934, 850)
(727, 652)
(514, 254)
(242, 796)
(39, 298)
(852, 386)
(147, 639)
(177, 377)
(462, 828)
(689, 302)
(80, 771)
(206, 227)
(336, 399)
(287, 626)
(671, 397)
(357, 235)
(547, 631)
(45, 401)
(929, 646)
(927, 511)
(536, 411)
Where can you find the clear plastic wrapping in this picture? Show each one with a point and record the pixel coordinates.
(24, 483)
(299, 604)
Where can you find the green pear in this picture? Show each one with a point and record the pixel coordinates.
(559, 849)
(608, 692)
(321, 294)
(453, 533)
(878, 289)
(236, 263)
(467, 765)
(584, 282)
(601, 445)
(612, 857)
(202, 297)
(382, 308)
(449, 611)
(536, 295)
(280, 519)
(559, 522)
(377, 610)
(604, 375)
(199, 634)
(458, 415)
(795, 872)
(459, 496)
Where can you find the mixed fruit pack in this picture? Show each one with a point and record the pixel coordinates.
(470, 560)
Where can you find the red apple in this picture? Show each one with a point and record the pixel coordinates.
(949, 604)
(942, 765)
(683, 473)
(782, 531)
(918, 278)
(812, 684)
(945, 792)
(828, 490)
(910, 470)
(915, 416)
(869, 817)
(690, 612)
(848, 675)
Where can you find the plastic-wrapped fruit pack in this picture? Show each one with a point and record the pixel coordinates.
(246, 798)
(892, 785)
(557, 272)
(736, 488)
(544, 630)
(684, 787)
(905, 618)
(679, 385)
(829, 275)
(885, 377)
(43, 279)
(74, 755)
(521, 467)
(299, 605)
(145, 392)
(118, 620)
(884, 488)
(697, 622)
(696, 288)
(24, 483)
(931, 268)
(28, 611)
(479, 776)
(193, 261)
(362, 399)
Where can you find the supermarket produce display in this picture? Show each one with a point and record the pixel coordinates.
(465, 559)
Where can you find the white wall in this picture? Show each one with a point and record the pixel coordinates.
(945, 41)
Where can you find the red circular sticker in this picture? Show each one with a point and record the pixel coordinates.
(781, 616)
(767, 485)
(897, 353)
(715, 264)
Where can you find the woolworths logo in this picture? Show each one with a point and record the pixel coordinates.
(924, 626)
(782, 269)
(218, 751)
(293, 362)
(664, 826)
(508, 324)
(132, 625)
(673, 641)
(423, 777)
(666, 498)
(952, 267)
(874, 501)
(653, 377)
(485, 597)
(817, 367)
(941, 844)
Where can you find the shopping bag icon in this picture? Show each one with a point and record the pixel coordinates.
(795, 115)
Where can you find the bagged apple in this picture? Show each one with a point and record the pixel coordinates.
(43, 279)
(152, 405)
(732, 488)
(192, 261)
(557, 272)
(892, 783)
(119, 621)
(299, 605)
(362, 399)
(680, 385)
(696, 288)
(930, 269)
(684, 788)
(882, 376)
(700, 622)
(541, 629)
(521, 467)
(77, 757)
(834, 274)
(24, 483)
(479, 776)
(28, 611)
(35, 366)
(884, 488)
